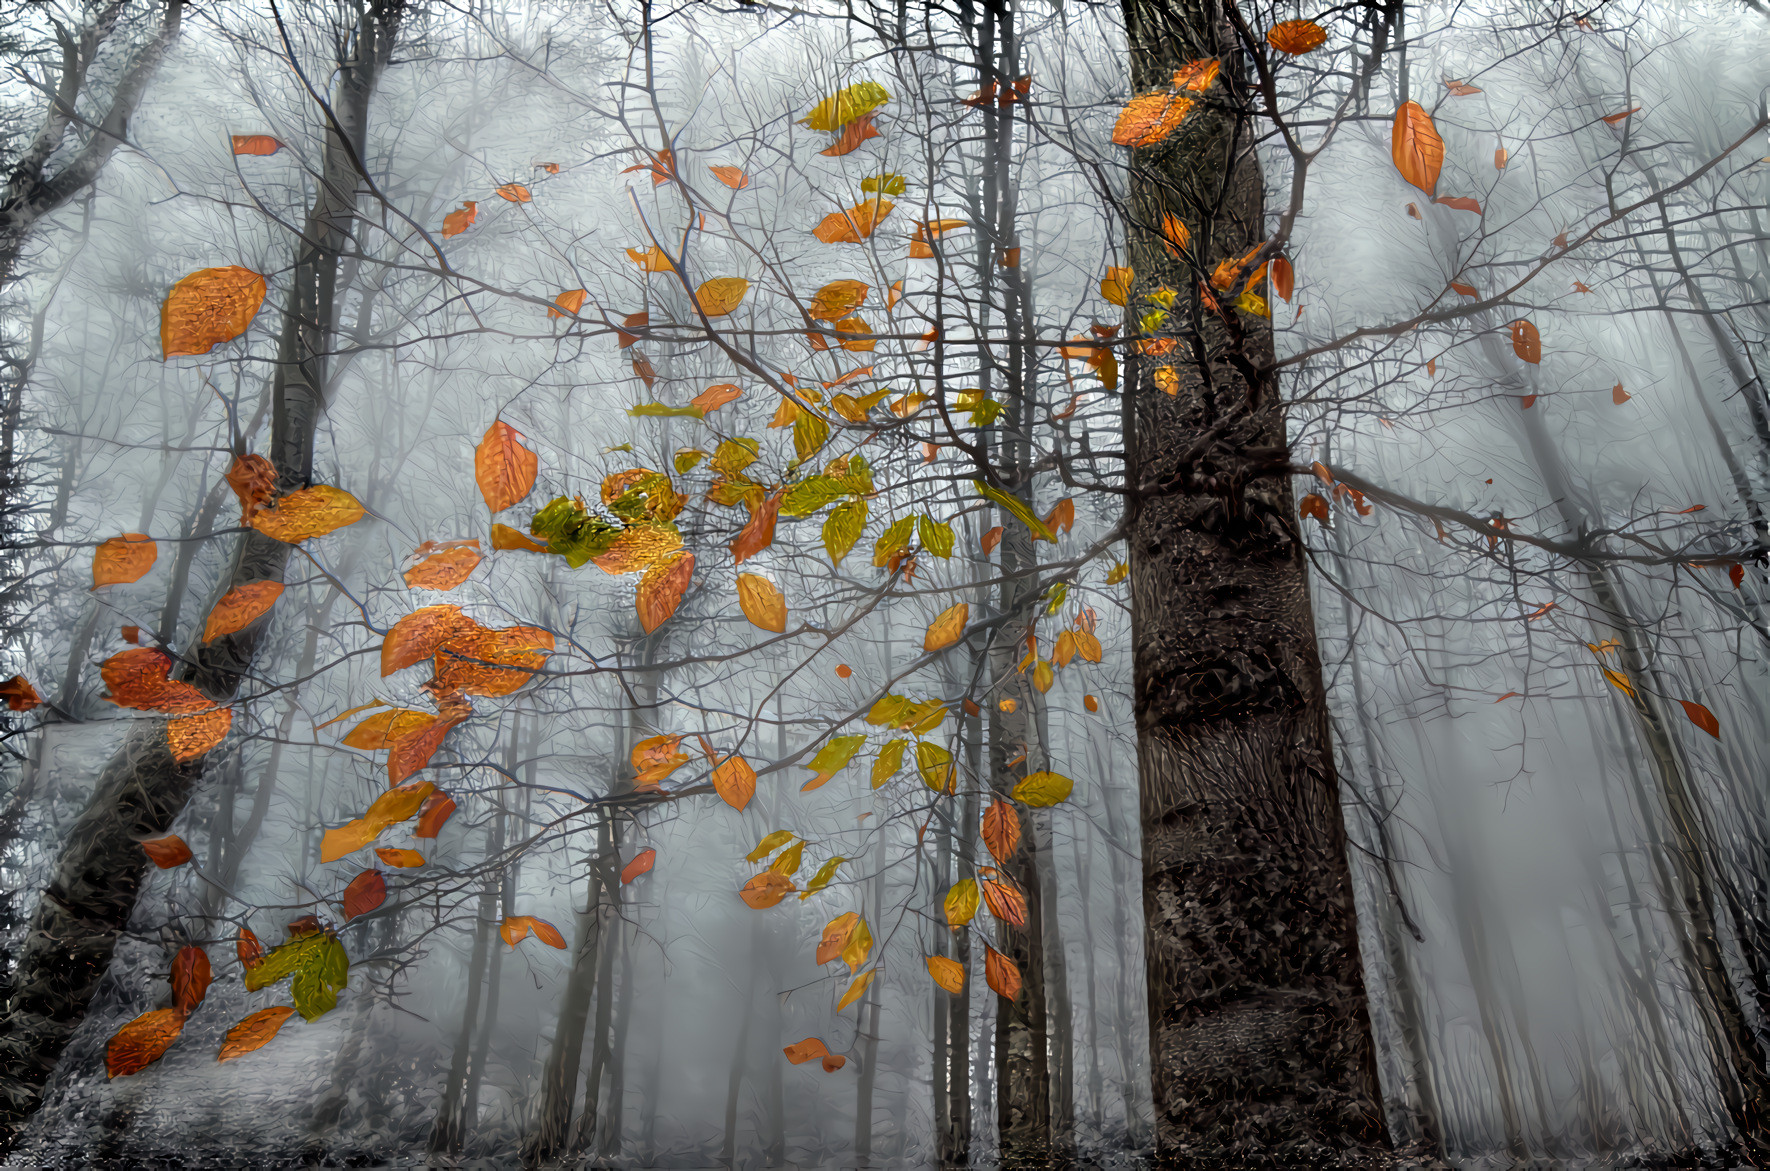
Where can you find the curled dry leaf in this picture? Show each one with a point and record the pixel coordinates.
(190, 978)
(123, 559)
(1116, 287)
(255, 144)
(436, 810)
(207, 308)
(515, 193)
(309, 512)
(167, 852)
(642, 862)
(1417, 149)
(142, 1041)
(1314, 505)
(366, 891)
(255, 1032)
(502, 467)
(240, 607)
(516, 928)
(19, 695)
(1296, 37)
(460, 219)
(758, 534)
(762, 602)
(192, 736)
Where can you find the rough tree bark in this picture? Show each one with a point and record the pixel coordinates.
(1260, 1046)
(142, 789)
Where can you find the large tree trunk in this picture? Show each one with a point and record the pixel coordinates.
(1260, 1046)
(143, 789)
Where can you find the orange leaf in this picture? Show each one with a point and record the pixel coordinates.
(762, 602)
(1526, 342)
(1091, 703)
(190, 978)
(642, 369)
(506, 538)
(714, 397)
(948, 973)
(1314, 505)
(1149, 118)
(1001, 830)
(569, 303)
(843, 670)
(946, 628)
(416, 637)
(1618, 395)
(850, 138)
(366, 891)
(515, 193)
(837, 300)
(309, 512)
(661, 589)
(1416, 148)
(550, 168)
(384, 729)
(19, 695)
(731, 177)
(1295, 37)
(254, 481)
(1613, 119)
(255, 144)
(1175, 234)
(255, 1032)
(633, 321)
(641, 863)
(402, 859)
(444, 570)
(1458, 202)
(1465, 290)
(169, 851)
(1002, 974)
(1062, 516)
(735, 781)
(123, 559)
(518, 927)
(837, 933)
(1499, 159)
(437, 809)
(240, 606)
(460, 220)
(247, 947)
(653, 259)
(758, 534)
(1283, 278)
(207, 308)
(193, 736)
(991, 539)
(1004, 902)
(1460, 90)
(809, 1049)
(855, 224)
(482, 661)
(1702, 717)
(503, 467)
(766, 889)
(721, 296)
(140, 1043)
(137, 679)
(1196, 76)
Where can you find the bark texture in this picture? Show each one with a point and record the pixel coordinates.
(1260, 1045)
(142, 789)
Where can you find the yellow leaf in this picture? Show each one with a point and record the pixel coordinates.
(1043, 789)
(860, 942)
(768, 845)
(845, 105)
(946, 628)
(1118, 573)
(309, 512)
(962, 902)
(889, 762)
(836, 935)
(1116, 288)
(653, 259)
(936, 766)
(1619, 681)
(1043, 676)
(721, 295)
(787, 864)
(207, 308)
(837, 300)
(762, 602)
(948, 973)
(855, 989)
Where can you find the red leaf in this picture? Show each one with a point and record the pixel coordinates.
(366, 891)
(167, 852)
(437, 809)
(642, 862)
(1702, 717)
(1459, 203)
(190, 978)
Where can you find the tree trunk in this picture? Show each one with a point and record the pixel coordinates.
(143, 789)
(1260, 1047)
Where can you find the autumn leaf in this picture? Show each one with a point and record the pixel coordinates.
(1526, 342)
(1499, 159)
(19, 695)
(505, 538)
(935, 764)
(889, 761)
(855, 224)
(1458, 203)
(831, 759)
(254, 481)
(1619, 681)
(758, 534)
(1294, 37)
(458, 221)
(1149, 118)
(190, 978)
(853, 134)
(240, 607)
(515, 193)
(207, 308)
(1043, 789)
(653, 259)
(136, 678)
(503, 467)
(1001, 973)
(810, 1049)
(845, 105)
(123, 559)
(247, 947)
(1004, 902)
(641, 864)
(366, 891)
(194, 736)
(1001, 830)
(1460, 90)
(417, 636)
(1316, 506)
(837, 932)
(735, 781)
(436, 810)
(1197, 76)
(516, 928)
(661, 589)
(1116, 287)
(1175, 235)
(766, 890)
(1619, 396)
(946, 628)
(255, 144)
(762, 602)
(399, 858)
(855, 989)
(1702, 717)
(1465, 290)
(1416, 148)
(167, 852)
(837, 300)
(1613, 119)
(384, 729)
(393, 806)
(721, 295)
(731, 177)
(482, 661)
(961, 902)
(308, 512)
(1091, 703)
(948, 973)
(142, 1041)
(568, 302)
(255, 1032)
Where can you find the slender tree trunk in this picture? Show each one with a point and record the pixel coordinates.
(142, 789)
(448, 1134)
(1260, 1047)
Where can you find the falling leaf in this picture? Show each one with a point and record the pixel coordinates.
(19, 695)
(255, 144)
(194, 736)
(1459, 89)
(766, 890)
(190, 978)
(1283, 278)
(762, 602)
(1316, 506)
(1001, 830)
(123, 559)
(758, 534)
(1702, 717)
(809, 1049)
(1505, 697)
(550, 168)
(384, 729)
(207, 308)
(1465, 290)
(714, 397)
(142, 1041)
(436, 810)
(853, 134)
(458, 221)
(1116, 287)
(1062, 516)
(1016, 508)
(1613, 119)
(503, 467)
(731, 177)
(1619, 681)
(1499, 159)
(1618, 395)
(1294, 37)
(858, 986)
(568, 302)
(516, 928)
(721, 295)
(855, 224)
(167, 852)
(1417, 149)
(240, 607)
(837, 300)
(1150, 118)
(255, 1032)
(1458, 203)
(1001, 973)
(1526, 342)
(1580, 287)
(946, 628)
(1091, 703)
(393, 806)
(446, 569)
(642, 863)
(316, 960)
(845, 105)
(990, 540)
(661, 589)
(309, 512)
(366, 891)
(1736, 574)
(515, 192)
(1043, 789)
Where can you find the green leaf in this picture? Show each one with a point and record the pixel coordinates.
(788, 862)
(859, 479)
(983, 411)
(890, 761)
(896, 537)
(888, 710)
(822, 878)
(734, 455)
(283, 960)
(937, 536)
(811, 494)
(886, 184)
(1018, 510)
(573, 532)
(1056, 594)
(688, 458)
(833, 757)
(318, 982)
(810, 433)
(842, 528)
(662, 411)
(936, 766)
